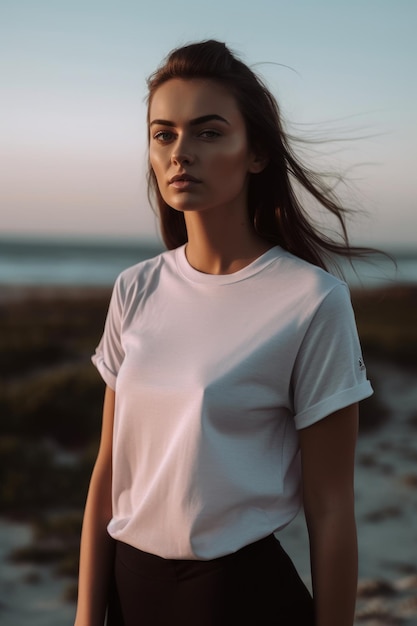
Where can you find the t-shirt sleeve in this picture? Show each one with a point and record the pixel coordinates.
(109, 353)
(329, 372)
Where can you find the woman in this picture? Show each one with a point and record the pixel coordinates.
(233, 373)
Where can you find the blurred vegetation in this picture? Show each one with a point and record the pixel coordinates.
(51, 398)
(50, 416)
(49, 326)
(386, 320)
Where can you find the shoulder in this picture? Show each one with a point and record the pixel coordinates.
(306, 284)
(313, 277)
(137, 281)
(138, 275)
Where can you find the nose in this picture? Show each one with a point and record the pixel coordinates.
(181, 159)
(181, 155)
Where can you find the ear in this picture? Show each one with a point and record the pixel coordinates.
(257, 163)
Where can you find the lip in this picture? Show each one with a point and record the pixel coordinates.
(179, 179)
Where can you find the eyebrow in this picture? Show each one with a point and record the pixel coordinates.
(195, 122)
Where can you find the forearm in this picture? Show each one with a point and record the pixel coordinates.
(96, 554)
(334, 566)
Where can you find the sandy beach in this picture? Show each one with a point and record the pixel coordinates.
(47, 448)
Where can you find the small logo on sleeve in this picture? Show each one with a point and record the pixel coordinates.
(361, 364)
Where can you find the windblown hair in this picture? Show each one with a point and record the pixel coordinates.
(274, 208)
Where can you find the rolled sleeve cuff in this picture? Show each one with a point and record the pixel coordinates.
(107, 375)
(335, 402)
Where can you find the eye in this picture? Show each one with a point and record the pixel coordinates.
(209, 134)
(163, 136)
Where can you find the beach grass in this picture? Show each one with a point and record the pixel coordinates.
(386, 320)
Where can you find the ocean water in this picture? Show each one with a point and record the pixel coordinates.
(97, 263)
(80, 263)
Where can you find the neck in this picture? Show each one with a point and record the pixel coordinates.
(221, 246)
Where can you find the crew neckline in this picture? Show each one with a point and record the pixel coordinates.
(195, 276)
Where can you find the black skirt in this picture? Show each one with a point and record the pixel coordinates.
(257, 585)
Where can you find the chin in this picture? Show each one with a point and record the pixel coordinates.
(186, 207)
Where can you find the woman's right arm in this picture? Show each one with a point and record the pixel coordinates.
(97, 547)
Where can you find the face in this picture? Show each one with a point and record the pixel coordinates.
(198, 146)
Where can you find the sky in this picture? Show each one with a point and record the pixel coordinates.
(73, 89)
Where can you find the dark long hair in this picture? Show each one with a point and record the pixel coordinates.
(274, 208)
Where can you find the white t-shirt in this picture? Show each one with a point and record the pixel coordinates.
(213, 375)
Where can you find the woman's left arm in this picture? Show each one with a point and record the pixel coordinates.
(327, 453)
